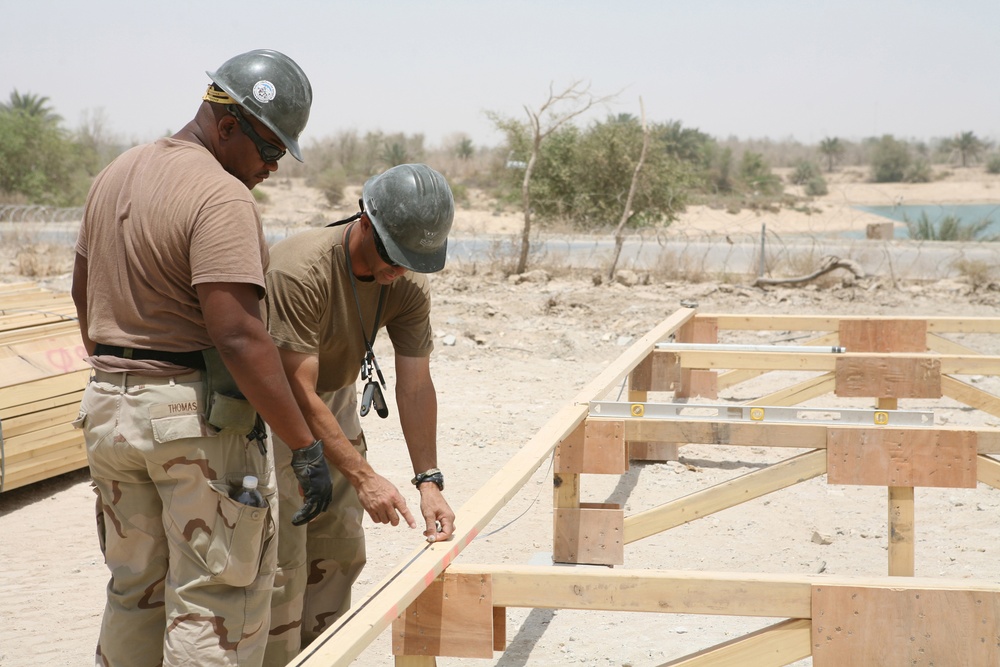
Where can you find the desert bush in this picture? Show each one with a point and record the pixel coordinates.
(890, 160)
(919, 171)
(948, 228)
(976, 272)
(816, 187)
(331, 182)
(993, 165)
(804, 171)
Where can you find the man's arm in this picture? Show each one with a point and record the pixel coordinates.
(232, 317)
(79, 292)
(378, 496)
(416, 401)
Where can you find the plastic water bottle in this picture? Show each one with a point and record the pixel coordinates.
(249, 494)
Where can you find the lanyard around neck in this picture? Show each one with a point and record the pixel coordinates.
(370, 361)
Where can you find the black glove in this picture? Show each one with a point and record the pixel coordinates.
(313, 474)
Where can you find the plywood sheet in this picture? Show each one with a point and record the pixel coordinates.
(888, 377)
(452, 617)
(866, 335)
(902, 457)
(875, 627)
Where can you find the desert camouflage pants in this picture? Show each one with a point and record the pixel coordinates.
(191, 569)
(318, 562)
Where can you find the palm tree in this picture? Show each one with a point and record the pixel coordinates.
(967, 145)
(833, 149)
(32, 105)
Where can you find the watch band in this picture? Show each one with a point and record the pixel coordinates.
(432, 475)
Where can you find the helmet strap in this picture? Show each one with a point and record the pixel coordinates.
(352, 218)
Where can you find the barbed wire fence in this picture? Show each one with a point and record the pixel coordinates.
(38, 213)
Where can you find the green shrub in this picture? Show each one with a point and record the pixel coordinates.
(993, 165)
(804, 171)
(919, 172)
(890, 160)
(816, 187)
(948, 228)
(331, 182)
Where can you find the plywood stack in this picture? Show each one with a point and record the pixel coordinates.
(42, 378)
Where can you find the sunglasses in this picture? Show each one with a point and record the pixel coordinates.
(380, 249)
(268, 152)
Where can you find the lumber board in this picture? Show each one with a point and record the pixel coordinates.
(774, 646)
(885, 456)
(799, 393)
(866, 335)
(341, 643)
(824, 361)
(37, 390)
(72, 456)
(36, 443)
(988, 471)
(746, 434)
(971, 396)
(731, 378)
(41, 405)
(951, 324)
(30, 422)
(941, 345)
(871, 627)
(725, 495)
(453, 617)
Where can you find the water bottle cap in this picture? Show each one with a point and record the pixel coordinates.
(249, 482)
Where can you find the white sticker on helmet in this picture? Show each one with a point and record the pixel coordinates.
(264, 91)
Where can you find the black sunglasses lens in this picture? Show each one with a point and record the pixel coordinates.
(270, 153)
(380, 249)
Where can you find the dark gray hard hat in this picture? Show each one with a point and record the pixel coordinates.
(412, 208)
(271, 88)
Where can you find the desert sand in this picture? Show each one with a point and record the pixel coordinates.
(508, 356)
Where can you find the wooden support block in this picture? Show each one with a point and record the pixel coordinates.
(499, 628)
(865, 335)
(643, 450)
(601, 450)
(694, 382)
(880, 456)
(590, 534)
(873, 627)
(892, 377)
(452, 617)
(659, 371)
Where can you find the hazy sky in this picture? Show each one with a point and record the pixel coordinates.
(799, 69)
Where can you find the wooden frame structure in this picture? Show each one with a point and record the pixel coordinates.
(439, 607)
(42, 378)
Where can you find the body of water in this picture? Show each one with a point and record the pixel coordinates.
(968, 214)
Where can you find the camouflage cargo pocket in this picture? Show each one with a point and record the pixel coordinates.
(239, 537)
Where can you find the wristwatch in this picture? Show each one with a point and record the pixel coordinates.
(432, 475)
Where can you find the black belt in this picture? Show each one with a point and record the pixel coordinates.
(187, 359)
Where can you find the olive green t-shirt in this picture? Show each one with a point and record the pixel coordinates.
(311, 307)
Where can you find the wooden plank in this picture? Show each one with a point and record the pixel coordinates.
(884, 456)
(41, 405)
(872, 627)
(771, 322)
(72, 456)
(732, 378)
(971, 396)
(42, 389)
(341, 643)
(727, 494)
(39, 419)
(694, 382)
(823, 361)
(988, 471)
(589, 534)
(452, 617)
(867, 335)
(799, 393)
(902, 560)
(747, 434)
(658, 591)
(942, 345)
(774, 646)
(893, 377)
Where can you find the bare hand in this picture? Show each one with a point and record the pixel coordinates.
(439, 517)
(383, 502)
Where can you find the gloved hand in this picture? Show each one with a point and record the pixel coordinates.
(313, 474)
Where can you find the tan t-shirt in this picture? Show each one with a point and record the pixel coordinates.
(160, 219)
(311, 307)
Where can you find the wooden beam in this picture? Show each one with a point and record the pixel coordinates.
(727, 494)
(799, 393)
(988, 471)
(971, 396)
(827, 361)
(372, 613)
(770, 322)
(774, 646)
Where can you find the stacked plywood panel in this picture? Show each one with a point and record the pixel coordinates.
(42, 378)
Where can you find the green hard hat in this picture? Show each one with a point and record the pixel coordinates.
(269, 86)
(412, 208)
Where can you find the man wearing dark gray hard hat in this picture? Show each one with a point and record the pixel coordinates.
(167, 284)
(330, 291)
